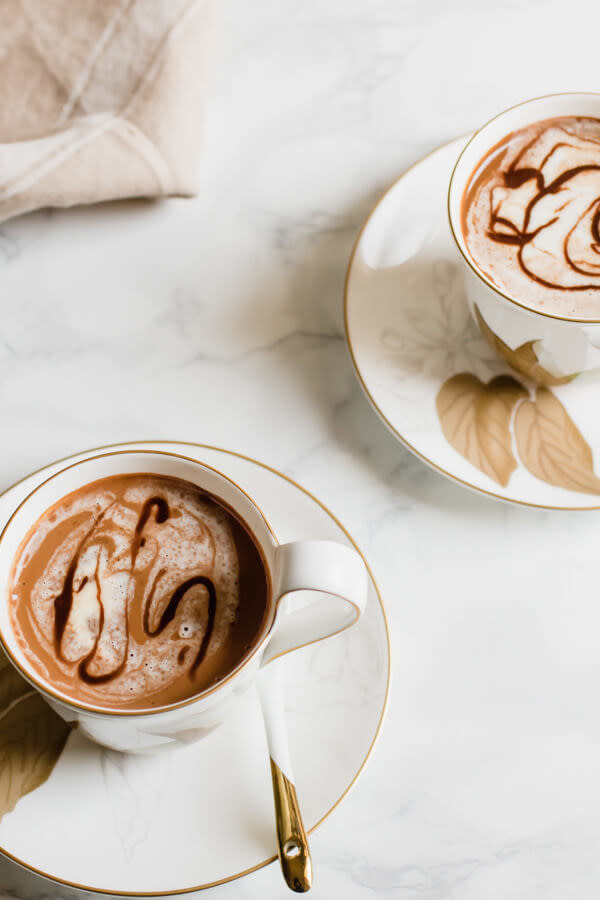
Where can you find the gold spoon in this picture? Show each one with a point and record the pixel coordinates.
(292, 843)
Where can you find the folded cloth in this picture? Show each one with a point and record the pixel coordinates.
(100, 99)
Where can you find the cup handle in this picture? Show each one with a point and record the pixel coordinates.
(325, 567)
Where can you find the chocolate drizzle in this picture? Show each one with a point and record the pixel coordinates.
(170, 610)
(557, 233)
(515, 178)
(162, 514)
(64, 601)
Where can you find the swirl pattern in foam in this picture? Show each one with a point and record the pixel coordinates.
(137, 591)
(531, 216)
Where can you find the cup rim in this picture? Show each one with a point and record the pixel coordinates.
(466, 256)
(99, 711)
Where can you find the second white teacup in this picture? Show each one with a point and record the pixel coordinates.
(549, 346)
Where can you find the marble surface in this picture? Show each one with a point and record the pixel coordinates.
(219, 320)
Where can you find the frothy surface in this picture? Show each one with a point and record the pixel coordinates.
(137, 591)
(531, 216)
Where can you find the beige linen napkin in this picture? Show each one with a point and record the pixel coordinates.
(100, 99)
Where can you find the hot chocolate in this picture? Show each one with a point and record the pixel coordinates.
(138, 591)
(531, 216)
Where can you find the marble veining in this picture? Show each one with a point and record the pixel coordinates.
(133, 786)
(219, 319)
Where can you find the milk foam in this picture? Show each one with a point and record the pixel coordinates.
(531, 222)
(114, 584)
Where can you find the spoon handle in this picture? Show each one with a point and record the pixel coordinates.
(292, 843)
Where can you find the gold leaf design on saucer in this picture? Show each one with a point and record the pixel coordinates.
(551, 446)
(475, 418)
(32, 737)
(523, 359)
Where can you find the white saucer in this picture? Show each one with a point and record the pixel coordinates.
(203, 815)
(409, 331)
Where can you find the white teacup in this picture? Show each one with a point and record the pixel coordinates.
(323, 567)
(546, 347)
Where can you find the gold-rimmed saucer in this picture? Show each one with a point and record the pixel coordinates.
(436, 382)
(203, 815)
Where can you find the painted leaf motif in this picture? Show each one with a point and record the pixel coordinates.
(12, 685)
(32, 737)
(551, 446)
(523, 358)
(475, 418)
